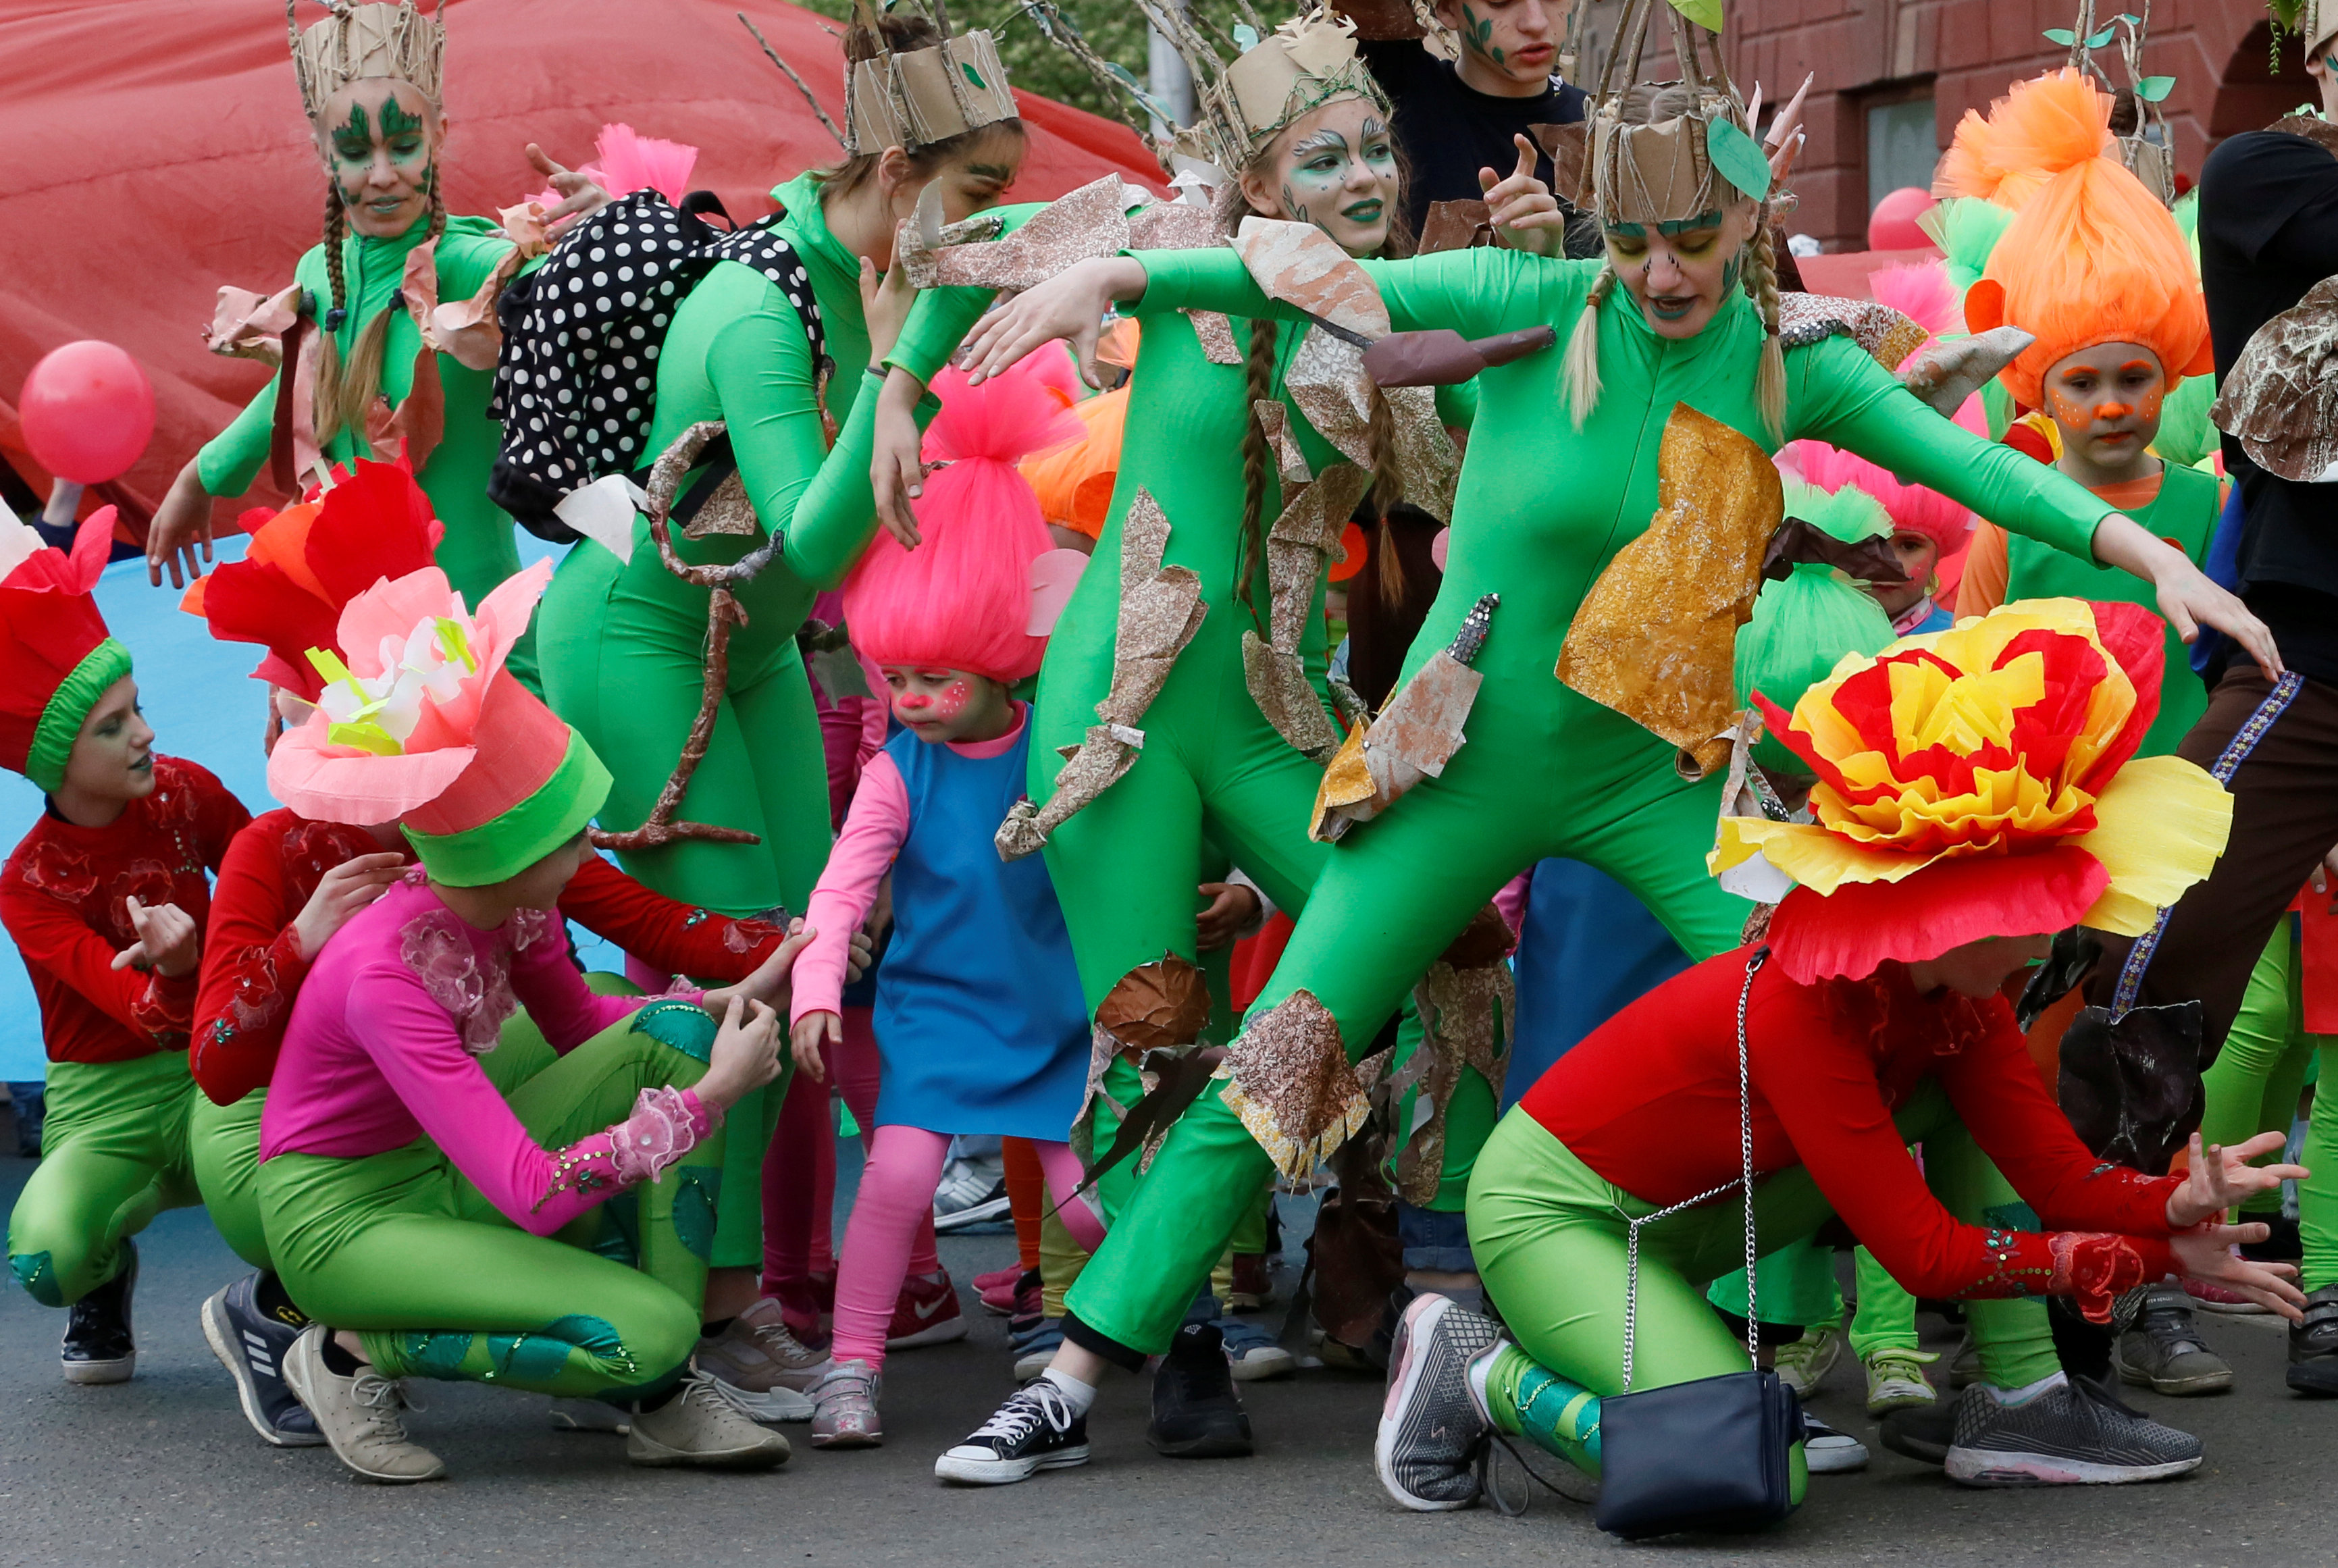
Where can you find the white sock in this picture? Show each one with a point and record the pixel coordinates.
(1079, 1396)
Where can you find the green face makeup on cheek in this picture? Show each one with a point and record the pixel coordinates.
(1477, 32)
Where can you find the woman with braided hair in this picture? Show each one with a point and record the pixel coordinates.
(368, 371)
(1232, 753)
(1562, 474)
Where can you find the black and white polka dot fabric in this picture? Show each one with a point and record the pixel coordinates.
(576, 378)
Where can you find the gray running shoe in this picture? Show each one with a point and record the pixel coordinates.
(2163, 1351)
(1431, 1425)
(2068, 1433)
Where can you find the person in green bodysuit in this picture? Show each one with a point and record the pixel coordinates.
(1562, 472)
(623, 643)
(370, 80)
(1224, 769)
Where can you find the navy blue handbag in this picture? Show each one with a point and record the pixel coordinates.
(1711, 1454)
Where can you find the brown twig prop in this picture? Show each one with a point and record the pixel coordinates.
(723, 614)
(790, 71)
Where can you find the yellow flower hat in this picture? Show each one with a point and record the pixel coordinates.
(1982, 782)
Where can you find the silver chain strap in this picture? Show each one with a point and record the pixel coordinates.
(1745, 1182)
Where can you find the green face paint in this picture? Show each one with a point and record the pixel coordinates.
(1477, 32)
(353, 139)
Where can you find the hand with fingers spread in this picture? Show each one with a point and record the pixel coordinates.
(344, 891)
(810, 1030)
(1070, 306)
(169, 941)
(580, 197)
(2221, 1178)
(896, 464)
(1526, 215)
(1785, 136)
(2205, 1252)
(771, 980)
(2187, 597)
(746, 1057)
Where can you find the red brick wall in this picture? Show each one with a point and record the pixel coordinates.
(1969, 52)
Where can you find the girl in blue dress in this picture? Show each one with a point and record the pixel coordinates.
(979, 1019)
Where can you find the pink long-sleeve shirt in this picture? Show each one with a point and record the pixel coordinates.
(874, 831)
(384, 1043)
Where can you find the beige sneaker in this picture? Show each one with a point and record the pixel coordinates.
(760, 1365)
(700, 1426)
(359, 1415)
(587, 1416)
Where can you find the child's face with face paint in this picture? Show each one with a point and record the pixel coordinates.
(1508, 48)
(941, 705)
(2105, 398)
(1917, 555)
(1334, 167)
(379, 140)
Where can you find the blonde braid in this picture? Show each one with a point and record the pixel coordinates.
(324, 406)
(1579, 377)
(1770, 381)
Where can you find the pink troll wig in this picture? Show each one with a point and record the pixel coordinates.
(1923, 294)
(962, 599)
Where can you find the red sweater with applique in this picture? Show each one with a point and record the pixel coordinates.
(62, 896)
(1649, 1100)
(252, 963)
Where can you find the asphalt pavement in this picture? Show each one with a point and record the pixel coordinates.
(162, 1472)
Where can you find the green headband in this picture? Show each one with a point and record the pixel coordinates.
(508, 844)
(68, 705)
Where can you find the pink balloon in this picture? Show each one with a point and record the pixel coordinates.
(1892, 225)
(88, 410)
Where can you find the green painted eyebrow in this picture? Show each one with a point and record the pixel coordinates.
(1677, 225)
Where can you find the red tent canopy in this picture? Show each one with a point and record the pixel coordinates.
(156, 150)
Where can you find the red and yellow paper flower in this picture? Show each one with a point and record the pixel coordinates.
(1982, 782)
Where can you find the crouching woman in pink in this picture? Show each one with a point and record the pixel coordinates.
(410, 1205)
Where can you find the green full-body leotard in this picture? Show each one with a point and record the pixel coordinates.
(623, 643)
(1541, 510)
(478, 551)
(1213, 767)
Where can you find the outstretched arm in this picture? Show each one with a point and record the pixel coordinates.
(1841, 396)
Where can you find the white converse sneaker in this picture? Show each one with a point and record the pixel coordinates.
(358, 1415)
(698, 1426)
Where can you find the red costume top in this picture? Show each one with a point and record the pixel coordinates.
(1649, 1102)
(62, 899)
(252, 963)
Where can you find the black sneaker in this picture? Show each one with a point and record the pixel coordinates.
(2068, 1433)
(1036, 1429)
(2314, 1345)
(2164, 1351)
(1924, 1432)
(252, 1346)
(1430, 1427)
(1195, 1412)
(98, 1348)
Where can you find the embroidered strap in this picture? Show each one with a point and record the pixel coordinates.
(2236, 752)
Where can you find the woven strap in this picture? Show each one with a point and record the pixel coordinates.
(2228, 762)
(1744, 1180)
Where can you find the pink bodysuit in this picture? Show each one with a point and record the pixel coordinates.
(384, 1043)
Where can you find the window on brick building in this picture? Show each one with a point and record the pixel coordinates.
(1900, 146)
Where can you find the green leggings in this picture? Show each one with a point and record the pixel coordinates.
(1550, 1240)
(223, 1140)
(114, 1155)
(1798, 1287)
(439, 1284)
(2255, 1085)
